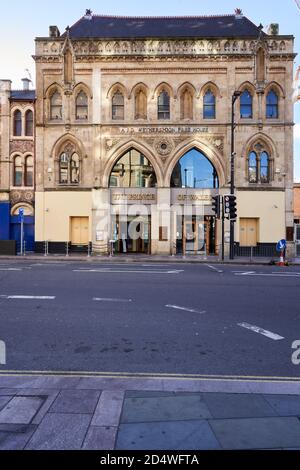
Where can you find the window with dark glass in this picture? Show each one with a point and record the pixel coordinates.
(56, 106)
(163, 105)
(272, 105)
(18, 171)
(246, 105)
(194, 170)
(17, 123)
(118, 106)
(252, 168)
(29, 123)
(209, 105)
(82, 106)
(264, 167)
(29, 171)
(64, 168)
(133, 170)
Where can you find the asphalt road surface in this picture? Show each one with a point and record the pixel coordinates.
(150, 318)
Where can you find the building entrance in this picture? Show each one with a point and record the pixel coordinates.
(196, 235)
(132, 234)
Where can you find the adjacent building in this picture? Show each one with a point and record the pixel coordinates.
(17, 162)
(133, 134)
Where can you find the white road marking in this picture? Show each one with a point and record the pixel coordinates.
(10, 269)
(270, 274)
(96, 299)
(245, 273)
(30, 297)
(214, 268)
(177, 307)
(110, 270)
(261, 331)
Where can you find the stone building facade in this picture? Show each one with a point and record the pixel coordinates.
(133, 134)
(17, 162)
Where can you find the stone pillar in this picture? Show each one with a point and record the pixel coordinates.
(161, 222)
(101, 220)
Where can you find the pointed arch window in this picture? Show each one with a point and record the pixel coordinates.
(29, 171)
(18, 171)
(140, 105)
(118, 106)
(186, 104)
(82, 108)
(133, 170)
(259, 165)
(17, 123)
(194, 170)
(69, 166)
(29, 123)
(163, 105)
(252, 168)
(56, 106)
(272, 105)
(246, 105)
(209, 105)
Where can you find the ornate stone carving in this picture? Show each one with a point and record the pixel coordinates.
(22, 146)
(163, 146)
(21, 196)
(110, 143)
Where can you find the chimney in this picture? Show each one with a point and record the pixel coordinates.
(26, 83)
(54, 32)
(273, 29)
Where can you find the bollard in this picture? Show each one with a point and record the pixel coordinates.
(281, 259)
(46, 248)
(67, 249)
(89, 250)
(24, 250)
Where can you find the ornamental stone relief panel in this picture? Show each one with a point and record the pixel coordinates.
(21, 196)
(22, 146)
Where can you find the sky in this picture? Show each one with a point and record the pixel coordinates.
(21, 21)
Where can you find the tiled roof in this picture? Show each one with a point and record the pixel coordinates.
(230, 26)
(23, 95)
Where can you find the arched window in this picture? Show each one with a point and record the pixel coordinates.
(209, 105)
(29, 171)
(246, 105)
(69, 166)
(82, 108)
(64, 168)
(252, 168)
(264, 167)
(186, 104)
(29, 123)
(259, 166)
(272, 105)
(118, 106)
(140, 105)
(163, 105)
(194, 170)
(133, 170)
(56, 106)
(18, 171)
(75, 168)
(17, 123)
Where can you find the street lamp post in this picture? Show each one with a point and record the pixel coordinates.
(235, 96)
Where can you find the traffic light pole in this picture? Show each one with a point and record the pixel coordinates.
(223, 231)
(235, 96)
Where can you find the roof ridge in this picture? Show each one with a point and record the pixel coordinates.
(163, 17)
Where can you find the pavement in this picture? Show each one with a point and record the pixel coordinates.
(43, 412)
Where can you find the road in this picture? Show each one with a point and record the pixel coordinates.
(223, 320)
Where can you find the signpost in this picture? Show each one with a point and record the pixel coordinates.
(21, 220)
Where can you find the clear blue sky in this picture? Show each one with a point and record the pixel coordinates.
(23, 20)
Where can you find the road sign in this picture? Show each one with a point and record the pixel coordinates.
(21, 214)
(281, 245)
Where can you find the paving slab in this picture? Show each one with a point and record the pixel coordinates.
(174, 408)
(222, 405)
(100, 438)
(16, 439)
(4, 400)
(109, 408)
(7, 391)
(49, 395)
(76, 401)
(60, 432)
(257, 433)
(20, 410)
(182, 435)
(284, 405)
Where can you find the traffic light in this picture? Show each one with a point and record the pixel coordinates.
(230, 206)
(216, 206)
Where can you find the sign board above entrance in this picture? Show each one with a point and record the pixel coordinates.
(164, 130)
